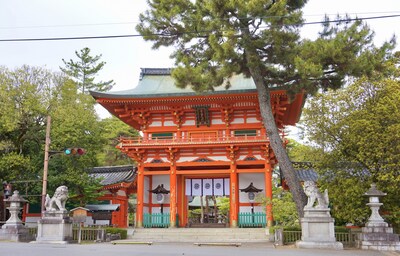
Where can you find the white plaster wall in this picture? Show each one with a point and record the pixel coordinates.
(213, 158)
(252, 120)
(121, 193)
(238, 121)
(158, 209)
(146, 190)
(217, 121)
(155, 124)
(189, 122)
(248, 209)
(258, 156)
(158, 180)
(245, 179)
(169, 123)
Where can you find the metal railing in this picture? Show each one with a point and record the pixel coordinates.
(248, 219)
(156, 220)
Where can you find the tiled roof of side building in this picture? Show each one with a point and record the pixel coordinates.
(114, 174)
(304, 171)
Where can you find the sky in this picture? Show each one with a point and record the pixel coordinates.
(125, 56)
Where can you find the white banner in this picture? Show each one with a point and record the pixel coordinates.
(227, 186)
(207, 187)
(196, 187)
(188, 189)
(218, 187)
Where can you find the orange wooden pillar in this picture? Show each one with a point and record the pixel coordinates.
(234, 188)
(140, 196)
(268, 192)
(234, 197)
(172, 193)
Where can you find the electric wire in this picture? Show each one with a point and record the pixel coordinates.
(189, 32)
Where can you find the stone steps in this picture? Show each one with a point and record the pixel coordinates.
(199, 235)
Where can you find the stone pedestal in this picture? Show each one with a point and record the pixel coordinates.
(54, 227)
(378, 237)
(318, 230)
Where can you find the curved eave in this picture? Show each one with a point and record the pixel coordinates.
(110, 100)
(119, 185)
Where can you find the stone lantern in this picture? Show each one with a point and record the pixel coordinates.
(375, 219)
(15, 206)
(13, 229)
(377, 235)
(160, 191)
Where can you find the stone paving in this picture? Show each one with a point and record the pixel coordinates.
(172, 249)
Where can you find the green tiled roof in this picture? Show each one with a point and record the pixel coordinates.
(158, 82)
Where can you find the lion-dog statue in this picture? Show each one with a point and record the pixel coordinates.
(57, 202)
(315, 196)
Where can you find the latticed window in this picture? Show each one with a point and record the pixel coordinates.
(165, 135)
(245, 133)
(202, 115)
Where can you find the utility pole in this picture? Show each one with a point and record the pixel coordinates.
(46, 164)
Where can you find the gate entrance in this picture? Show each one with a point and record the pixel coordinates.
(208, 202)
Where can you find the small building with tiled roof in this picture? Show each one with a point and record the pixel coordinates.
(118, 184)
(304, 172)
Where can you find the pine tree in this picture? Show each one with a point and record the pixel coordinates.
(215, 39)
(85, 70)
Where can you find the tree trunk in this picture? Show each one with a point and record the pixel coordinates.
(264, 100)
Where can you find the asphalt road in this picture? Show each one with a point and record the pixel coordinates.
(170, 249)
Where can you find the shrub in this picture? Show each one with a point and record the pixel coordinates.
(123, 232)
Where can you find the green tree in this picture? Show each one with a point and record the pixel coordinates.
(112, 129)
(358, 125)
(259, 38)
(75, 124)
(27, 96)
(84, 71)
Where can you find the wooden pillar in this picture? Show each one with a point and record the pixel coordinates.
(234, 197)
(140, 196)
(181, 210)
(234, 188)
(172, 155)
(173, 190)
(268, 192)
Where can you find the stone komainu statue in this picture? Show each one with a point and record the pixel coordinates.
(315, 196)
(57, 202)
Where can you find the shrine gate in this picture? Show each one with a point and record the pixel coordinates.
(198, 144)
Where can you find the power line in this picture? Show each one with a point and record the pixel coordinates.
(187, 32)
(137, 22)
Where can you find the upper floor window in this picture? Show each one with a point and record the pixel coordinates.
(163, 135)
(245, 133)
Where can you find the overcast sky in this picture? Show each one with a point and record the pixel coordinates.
(125, 56)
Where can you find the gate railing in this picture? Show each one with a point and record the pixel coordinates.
(156, 220)
(248, 219)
